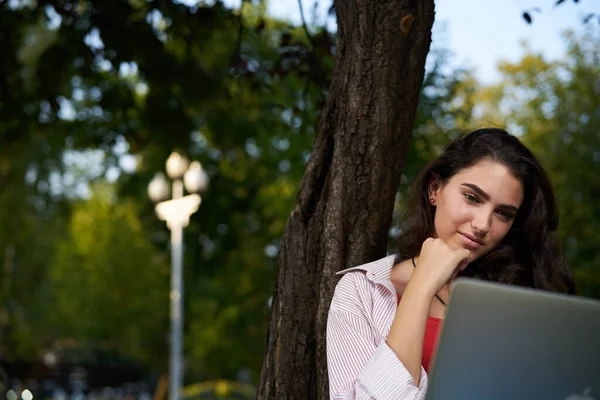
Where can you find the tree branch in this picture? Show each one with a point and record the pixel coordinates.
(310, 39)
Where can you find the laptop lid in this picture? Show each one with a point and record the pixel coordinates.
(505, 342)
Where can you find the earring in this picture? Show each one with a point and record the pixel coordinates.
(432, 200)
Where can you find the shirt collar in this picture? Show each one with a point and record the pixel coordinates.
(377, 271)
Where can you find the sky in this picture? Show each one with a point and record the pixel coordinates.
(481, 32)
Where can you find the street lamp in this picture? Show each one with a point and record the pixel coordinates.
(176, 212)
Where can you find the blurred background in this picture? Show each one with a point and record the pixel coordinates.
(96, 94)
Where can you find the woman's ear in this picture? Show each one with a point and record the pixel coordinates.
(433, 190)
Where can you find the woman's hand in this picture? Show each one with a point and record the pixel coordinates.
(437, 264)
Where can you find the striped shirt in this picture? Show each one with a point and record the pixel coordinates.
(361, 365)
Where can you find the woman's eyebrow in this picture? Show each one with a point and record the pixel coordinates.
(477, 189)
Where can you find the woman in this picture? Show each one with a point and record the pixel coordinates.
(485, 208)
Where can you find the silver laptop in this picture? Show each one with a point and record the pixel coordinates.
(501, 342)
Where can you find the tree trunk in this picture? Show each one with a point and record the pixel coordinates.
(344, 207)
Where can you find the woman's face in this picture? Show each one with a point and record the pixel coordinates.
(476, 207)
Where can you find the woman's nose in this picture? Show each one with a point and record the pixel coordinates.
(481, 222)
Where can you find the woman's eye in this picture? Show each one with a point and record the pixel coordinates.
(470, 198)
(505, 216)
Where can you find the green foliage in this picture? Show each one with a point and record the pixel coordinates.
(230, 88)
(108, 282)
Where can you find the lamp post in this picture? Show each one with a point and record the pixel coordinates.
(176, 212)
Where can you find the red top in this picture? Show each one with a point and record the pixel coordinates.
(432, 330)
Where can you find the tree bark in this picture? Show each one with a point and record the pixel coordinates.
(344, 207)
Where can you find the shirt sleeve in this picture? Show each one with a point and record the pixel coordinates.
(360, 369)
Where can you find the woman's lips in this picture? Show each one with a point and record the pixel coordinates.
(470, 241)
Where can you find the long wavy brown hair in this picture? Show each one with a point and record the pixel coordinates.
(528, 255)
